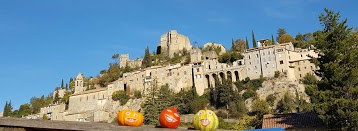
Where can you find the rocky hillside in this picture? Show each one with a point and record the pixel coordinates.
(278, 87)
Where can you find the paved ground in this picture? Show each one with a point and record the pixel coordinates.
(18, 124)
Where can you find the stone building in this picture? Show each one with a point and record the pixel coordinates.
(53, 111)
(176, 76)
(173, 42)
(125, 61)
(299, 63)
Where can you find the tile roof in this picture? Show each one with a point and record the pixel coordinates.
(292, 120)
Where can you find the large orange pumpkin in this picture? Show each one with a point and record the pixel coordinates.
(169, 118)
(130, 118)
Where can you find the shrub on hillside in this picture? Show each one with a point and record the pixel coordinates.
(271, 99)
(249, 93)
(120, 96)
(137, 94)
(277, 74)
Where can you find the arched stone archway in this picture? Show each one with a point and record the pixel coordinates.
(216, 80)
(229, 76)
(208, 80)
(222, 77)
(236, 73)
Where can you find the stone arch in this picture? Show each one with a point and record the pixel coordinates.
(216, 80)
(236, 73)
(229, 76)
(222, 76)
(208, 80)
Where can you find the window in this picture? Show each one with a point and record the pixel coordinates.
(265, 65)
(264, 60)
(248, 68)
(185, 71)
(263, 53)
(197, 69)
(255, 67)
(268, 52)
(250, 62)
(257, 61)
(300, 75)
(240, 63)
(257, 55)
(279, 50)
(94, 96)
(301, 55)
(269, 59)
(311, 68)
(281, 62)
(299, 69)
(289, 57)
(305, 67)
(249, 56)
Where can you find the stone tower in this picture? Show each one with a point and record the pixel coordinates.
(172, 42)
(123, 59)
(79, 84)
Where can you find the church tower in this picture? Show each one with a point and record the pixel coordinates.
(79, 84)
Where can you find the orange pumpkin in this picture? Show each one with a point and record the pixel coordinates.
(130, 118)
(169, 118)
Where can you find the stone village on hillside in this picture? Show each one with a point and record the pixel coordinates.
(97, 105)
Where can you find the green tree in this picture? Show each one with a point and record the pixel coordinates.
(62, 86)
(6, 111)
(146, 60)
(24, 110)
(115, 57)
(233, 46)
(271, 99)
(272, 40)
(285, 38)
(286, 104)
(247, 43)
(280, 32)
(260, 108)
(120, 96)
(57, 98)
(156, 100)
(254, 44)
(37, 103)
(337, 91)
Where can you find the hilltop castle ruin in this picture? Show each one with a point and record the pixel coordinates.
(203, 71)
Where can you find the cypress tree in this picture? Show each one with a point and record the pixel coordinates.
(62, 84)
(146, 60)
(232, 45)
(247, 43)
(253, 40)
(66, 87)
(273, 41)
(5, 111)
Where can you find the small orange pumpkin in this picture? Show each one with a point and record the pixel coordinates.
(169, 118)
(130, 118)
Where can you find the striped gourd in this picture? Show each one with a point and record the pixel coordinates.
(206, 120)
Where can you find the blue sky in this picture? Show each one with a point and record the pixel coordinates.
(44, 41)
